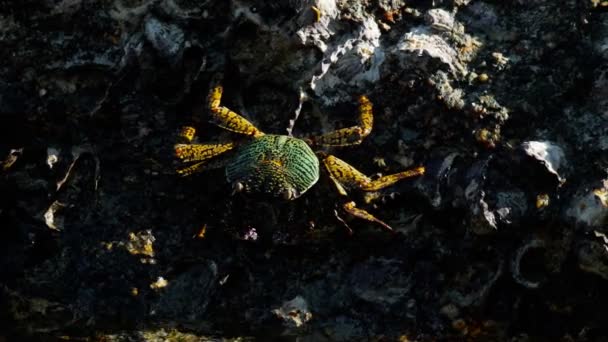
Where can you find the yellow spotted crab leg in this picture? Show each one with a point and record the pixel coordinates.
(344, 177)
(350, 135)
(200, 167)
(228, 119)
(200, 153)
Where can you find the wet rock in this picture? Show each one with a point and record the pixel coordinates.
(483, 219)
(600, 44)
(381, 282)
(472, 284)
(493, 195)
(279, 30)
(481, 16)
(511, 206)
(183, 9)
(433, 186)
(592, 255)
(49, 315)
(343, 328)
(187, 295)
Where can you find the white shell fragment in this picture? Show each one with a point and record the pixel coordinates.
(294, 313)
(52, 156)
(442, 21)
(420, 41)
(549, 154)
(51, 219)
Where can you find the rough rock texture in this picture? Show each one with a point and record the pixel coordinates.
(504, 238)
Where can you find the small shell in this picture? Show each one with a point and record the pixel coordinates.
(591, 208)
(294, 313)
(549, 154)
(521, 256)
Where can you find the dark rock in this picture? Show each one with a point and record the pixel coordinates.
(504, 103)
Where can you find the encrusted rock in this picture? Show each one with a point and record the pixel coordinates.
(167, 39)
(381, 282)
(188, 294)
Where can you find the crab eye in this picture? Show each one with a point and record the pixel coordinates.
(288, 194)
(253, 9)
(237, 187)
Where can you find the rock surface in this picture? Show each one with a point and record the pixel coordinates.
(504, 102)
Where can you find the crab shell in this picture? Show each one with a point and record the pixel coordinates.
(276, 165)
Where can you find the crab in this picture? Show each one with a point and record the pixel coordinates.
(283, 165)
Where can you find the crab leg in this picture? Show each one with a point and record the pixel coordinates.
(350, 207)
(345, 176)
(200, 152)
(187, 133)
(201, 166)
(228, 119)
(350, 135)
